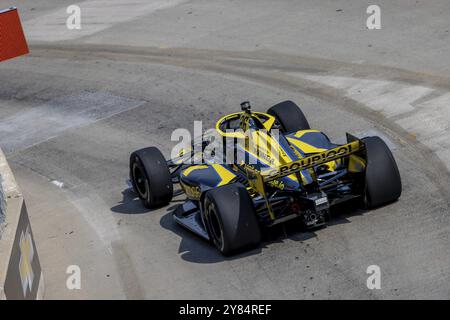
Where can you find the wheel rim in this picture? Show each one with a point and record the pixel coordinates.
(215, 227)
(140, 180)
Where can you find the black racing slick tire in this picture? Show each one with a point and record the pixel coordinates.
(289, 116)
(231, 219)
(150, 177)
(382, 177)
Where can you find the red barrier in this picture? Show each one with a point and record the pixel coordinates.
(12, 39)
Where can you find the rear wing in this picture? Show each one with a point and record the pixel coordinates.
(258, 179)
(342, 151)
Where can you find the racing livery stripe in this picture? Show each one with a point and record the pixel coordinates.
(225, 174)
(187, 171)
(305, 147)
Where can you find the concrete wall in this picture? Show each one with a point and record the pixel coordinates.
(20, 270)
(2, 207)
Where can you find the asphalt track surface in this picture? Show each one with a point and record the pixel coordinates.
(72, 111)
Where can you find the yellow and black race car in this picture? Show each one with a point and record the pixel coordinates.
(280, 169)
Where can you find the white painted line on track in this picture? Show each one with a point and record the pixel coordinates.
(422, 111)
(388, 97)
(41, 123)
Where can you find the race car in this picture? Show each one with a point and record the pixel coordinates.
(281, 170)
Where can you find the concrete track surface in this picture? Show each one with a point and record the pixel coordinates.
(73, 110)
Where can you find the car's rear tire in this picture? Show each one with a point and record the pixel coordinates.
(150, 177)
(231, 219)
(382, 177)
(289, 116)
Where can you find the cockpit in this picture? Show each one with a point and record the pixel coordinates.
(236, 124)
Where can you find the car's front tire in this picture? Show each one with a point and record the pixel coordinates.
(150, 177)
(231, 219)
(382, 177)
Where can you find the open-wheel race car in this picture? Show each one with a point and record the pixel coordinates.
(281, 170)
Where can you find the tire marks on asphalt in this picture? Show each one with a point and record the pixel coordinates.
(422, 111)
(96, 16)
